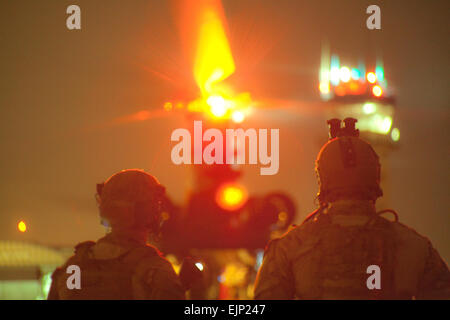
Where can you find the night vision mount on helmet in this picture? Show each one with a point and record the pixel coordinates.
(347, 167)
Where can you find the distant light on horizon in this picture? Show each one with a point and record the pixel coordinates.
(345, 74)
(369, 108)
(395, 134)
(377, 91)
(371, 77)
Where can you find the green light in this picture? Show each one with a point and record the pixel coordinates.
(369, 108)
(379, 73)
(356, 74)
(395, 134)
(385, 125)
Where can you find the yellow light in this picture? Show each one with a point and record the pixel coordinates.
(235, 274)
(213, 61)
(324, 87)
(386, 124)
(377, 91)
(22, 226)
(175, 263)
(218, 105)
(237, 116)
(395, 134)
(354, 86)
(369, 108)
(168, 106)
(345, 74)
(231, 196)
(371, 77)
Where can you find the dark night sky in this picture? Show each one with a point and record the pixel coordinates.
(61, 88)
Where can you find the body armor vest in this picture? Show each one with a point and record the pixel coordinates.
(102, 279)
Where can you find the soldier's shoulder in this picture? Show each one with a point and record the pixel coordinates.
(149, 257)
(295, 236)
(408, 236)
(310, 224)
(403, 229)
(158, 273)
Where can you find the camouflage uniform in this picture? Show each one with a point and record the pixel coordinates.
(327, 258)
(118, 270)
(121, 265)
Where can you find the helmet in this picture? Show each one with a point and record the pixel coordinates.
(130, 199)
(347, 167)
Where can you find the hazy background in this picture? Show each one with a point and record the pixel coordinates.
(61, 91)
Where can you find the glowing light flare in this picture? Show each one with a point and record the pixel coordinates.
(231, 196)
(354, 87)
(345, 74)
(213, 60)
(377, 91)
(369, 108)
(213, 63)
(334, 76)
(379, 72)
(218, 105)
(324, 87)
(356, 74)
(237, 116)
(371, 77)
(235, 274)
(395, 134)
(385, 125)
(21, 226)
(168, 106)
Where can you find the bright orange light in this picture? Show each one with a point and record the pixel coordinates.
(354, 86)
(213, 62)
(377, 91)
(22, 226)
(340, 91)
(168, 106)
(231, 196)
(371, 77)
(324, 87)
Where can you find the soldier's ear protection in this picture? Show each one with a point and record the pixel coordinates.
(99, 188)
(151, 210)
